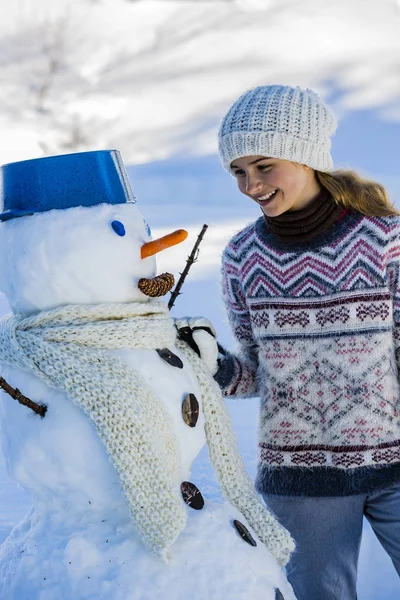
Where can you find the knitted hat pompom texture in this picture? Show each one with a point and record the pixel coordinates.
(278, 121)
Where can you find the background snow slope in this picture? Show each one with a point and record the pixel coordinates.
(152, 79)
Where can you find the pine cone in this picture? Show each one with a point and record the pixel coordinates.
(156, 286)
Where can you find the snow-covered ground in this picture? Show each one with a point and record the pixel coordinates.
(152, 78)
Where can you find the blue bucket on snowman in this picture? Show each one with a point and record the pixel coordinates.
(63, 181)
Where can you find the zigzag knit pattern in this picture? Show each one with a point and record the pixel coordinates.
(318, 327)
(67, 348)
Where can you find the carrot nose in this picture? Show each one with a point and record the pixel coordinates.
(171, 239)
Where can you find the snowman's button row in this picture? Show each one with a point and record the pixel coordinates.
(190, 406)
(190, 414)
(193, 498)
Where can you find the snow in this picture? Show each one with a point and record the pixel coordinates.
(153, 78)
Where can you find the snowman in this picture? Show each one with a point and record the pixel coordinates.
(127, 406)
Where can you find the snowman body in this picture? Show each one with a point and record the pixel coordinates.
(79, 540)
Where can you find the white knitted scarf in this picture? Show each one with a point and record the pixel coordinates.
(68, 349)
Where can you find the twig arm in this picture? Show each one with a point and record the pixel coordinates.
(190, 260)
(40, 409)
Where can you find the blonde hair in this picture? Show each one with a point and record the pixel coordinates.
(350, 190)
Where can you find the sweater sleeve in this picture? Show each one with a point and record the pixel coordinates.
(237, 375)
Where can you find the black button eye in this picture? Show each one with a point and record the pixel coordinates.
(118, 228)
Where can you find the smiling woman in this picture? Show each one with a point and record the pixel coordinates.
(312, 293)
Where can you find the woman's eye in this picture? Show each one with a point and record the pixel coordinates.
(264, 167)
(239, 173)
(118, 227)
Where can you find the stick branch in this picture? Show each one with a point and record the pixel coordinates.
(190, 260)
(40, 409)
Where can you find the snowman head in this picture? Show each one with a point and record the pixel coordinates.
(71, 233)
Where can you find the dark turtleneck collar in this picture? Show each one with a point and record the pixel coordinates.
(304, 225)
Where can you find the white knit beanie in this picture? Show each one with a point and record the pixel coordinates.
(281, 122)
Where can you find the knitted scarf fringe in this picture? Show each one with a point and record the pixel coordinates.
(68, 349)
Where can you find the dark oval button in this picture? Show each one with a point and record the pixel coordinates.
(191, 495)
(169, 357)
(244, 533)
(190, 410)
(278, 594)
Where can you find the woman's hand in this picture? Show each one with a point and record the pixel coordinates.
(200, 335)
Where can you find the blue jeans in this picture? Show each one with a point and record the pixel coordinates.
(327, 531)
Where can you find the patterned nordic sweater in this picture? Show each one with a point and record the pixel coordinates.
(318, 327)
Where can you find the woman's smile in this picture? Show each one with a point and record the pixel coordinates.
(267, 198)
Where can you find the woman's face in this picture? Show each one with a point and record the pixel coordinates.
(276, 185)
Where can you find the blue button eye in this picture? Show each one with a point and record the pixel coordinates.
(118, 227)
(148, 229)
